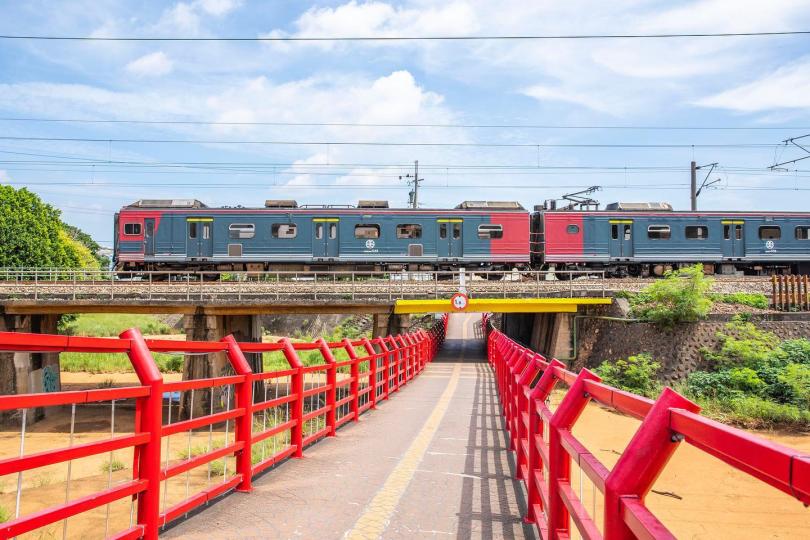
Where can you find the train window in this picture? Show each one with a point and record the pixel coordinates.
(192, 229)
(133, 229)
(802, 233)
(770, 232)
(319, 231)
(489, 231)
(726, 232)
(409, 230)
(457, 231)
(659, 232)
(206, 231)
(572, 229)
(241, 230)
(332, 231)
(614, 232)
(284, 230)
(443, 230)
(697, 232)
(367, 231)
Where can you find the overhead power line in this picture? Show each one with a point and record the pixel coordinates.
(409, 125)
(522, 37)
(383, 143)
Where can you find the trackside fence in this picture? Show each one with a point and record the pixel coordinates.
(545, 447)
(267, 417)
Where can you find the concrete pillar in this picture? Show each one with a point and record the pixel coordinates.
(28, 373)
(201, 327)
(390, 324)
(562, 337)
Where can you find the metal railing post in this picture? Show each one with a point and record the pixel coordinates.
(642, 461)
(244, 424)
(559, 461)
(373, 368)
(149, 421)
(354, 386)
(331, 381)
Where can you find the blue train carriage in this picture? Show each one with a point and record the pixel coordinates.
(186, 234)
(643, 239)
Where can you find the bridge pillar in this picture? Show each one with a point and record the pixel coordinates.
(386, 324)
(29, 372)
(202, 327)
(549, 333)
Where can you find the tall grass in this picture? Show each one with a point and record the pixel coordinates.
(112, 324)
(115, 362)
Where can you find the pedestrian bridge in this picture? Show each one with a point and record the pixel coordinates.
(453, 432)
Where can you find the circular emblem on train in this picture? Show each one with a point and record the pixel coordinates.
(459, 301)
(769, 244)
(370, 244)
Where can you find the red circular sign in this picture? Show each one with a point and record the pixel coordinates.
(459, 301)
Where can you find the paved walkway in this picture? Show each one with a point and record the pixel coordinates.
(429, 463)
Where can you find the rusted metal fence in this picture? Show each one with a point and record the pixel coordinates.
(545, 447)
(267, 418)
(790, 293)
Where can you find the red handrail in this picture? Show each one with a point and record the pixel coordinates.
(412, 352)
(525, 379)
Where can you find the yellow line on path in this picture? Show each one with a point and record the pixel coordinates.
(377, 515)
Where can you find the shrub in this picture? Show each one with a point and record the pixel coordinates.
(680, 297)
(797, 377)
(756, 300)
(113, 465)
(636, 374)
(745, 345)
(796, 351)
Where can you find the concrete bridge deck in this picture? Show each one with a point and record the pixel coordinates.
(432, 463)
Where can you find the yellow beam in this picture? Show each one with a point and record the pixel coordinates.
(500, 305)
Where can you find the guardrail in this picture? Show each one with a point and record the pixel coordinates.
(64, 284)
(275, 415)
(545, 446)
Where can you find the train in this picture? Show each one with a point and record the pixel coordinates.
(623, 239)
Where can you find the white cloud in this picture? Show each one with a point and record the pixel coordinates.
(546, 93)
(218, 8)
(151, 65)
(785, 88)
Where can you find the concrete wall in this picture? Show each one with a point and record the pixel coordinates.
(547, 333)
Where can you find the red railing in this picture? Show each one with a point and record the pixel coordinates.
(306, 403)
(545, 446)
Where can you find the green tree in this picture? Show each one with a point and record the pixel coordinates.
(87, 241)
(32, 234)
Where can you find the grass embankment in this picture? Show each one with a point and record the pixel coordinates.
(753, 378)
(111, 325)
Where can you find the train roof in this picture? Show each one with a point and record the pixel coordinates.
(288, 205)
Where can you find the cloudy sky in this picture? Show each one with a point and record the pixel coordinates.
(432, 101)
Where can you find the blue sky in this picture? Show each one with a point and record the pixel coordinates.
(761, 82)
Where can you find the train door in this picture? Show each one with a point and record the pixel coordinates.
(325, 238)
(200, 237)
(733, 239)
(149, 237)
(621, 239)
(450, 240)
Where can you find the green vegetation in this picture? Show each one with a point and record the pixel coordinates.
(755, 379)
(637, 374)
(86, 241)
(756, 300)
(113, 465)
(275, 361)
(33, 235)
(115, 362)
(112, 324)
(5, 515)
(200, 449)
(681, 296)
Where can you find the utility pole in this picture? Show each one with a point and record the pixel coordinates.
(693, 187)
(413, 195)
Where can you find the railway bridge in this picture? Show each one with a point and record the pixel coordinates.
(456, 430)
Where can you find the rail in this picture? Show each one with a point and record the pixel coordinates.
(341, 286)
(274, 415)
(545, 447)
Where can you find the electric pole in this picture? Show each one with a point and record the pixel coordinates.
(693, 188)
(413, 195)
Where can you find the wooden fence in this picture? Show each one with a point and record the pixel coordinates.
(790, 293)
